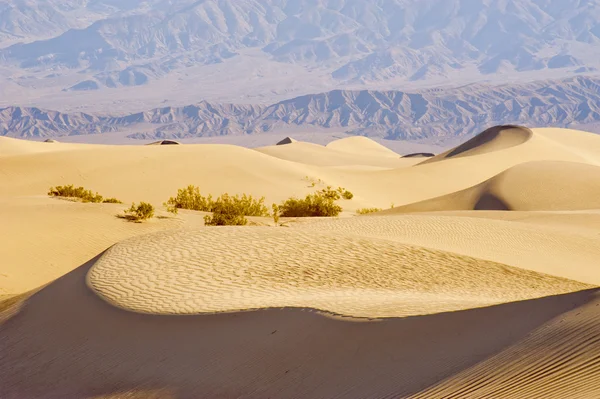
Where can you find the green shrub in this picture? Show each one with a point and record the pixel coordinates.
(364, 211)
(190, 198)
(227, 211)
(81, 193)
(71, 191)
(143, 211)
(336, 194)
(111, 201)
(313, 205)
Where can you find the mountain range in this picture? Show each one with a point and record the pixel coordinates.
(429, 114)
(75, 54)
(385, 68)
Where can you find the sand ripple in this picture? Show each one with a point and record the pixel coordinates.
(231, 269)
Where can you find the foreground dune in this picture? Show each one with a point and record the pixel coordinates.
(479, 283)
(66, 342)
(188, 272)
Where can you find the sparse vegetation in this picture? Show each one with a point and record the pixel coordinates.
(190, 198)
(111, 201)
(227, 211)
(365, 211)
(139, 213)
(313, 205)
(80, 193)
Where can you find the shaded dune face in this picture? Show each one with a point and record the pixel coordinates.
(91, 349)
(531, 186)
(493, 139)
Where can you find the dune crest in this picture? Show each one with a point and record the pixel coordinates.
(493, 139)
(360, 145)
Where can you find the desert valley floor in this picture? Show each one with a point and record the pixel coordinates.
(481, 281)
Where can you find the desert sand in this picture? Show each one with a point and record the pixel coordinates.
(481, 281)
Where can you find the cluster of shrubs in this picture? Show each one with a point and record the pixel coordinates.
(81, 193)
(227, 210)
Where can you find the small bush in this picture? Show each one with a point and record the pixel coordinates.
(190, 198)
(336, 194)
(81, 193)
(143, 211)
(71, 191)
(313, 205)
(365, 211)
(111, 201)
(227, 211)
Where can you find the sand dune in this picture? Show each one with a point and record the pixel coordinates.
(458, 299)
(344, 154)
(360, 146)
(532, 186)
(190, 272)
(533, 241)
(91, 349)
(493, 139)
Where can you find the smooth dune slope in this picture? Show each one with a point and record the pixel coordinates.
(330, 155)
(531, 186)
(361, 146)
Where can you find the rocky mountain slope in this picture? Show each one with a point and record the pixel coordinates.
(389, 114)
(48, 47)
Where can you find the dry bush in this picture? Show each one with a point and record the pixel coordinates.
(70, 191)
(139, 213)
(313, 205)
(227, 211)
(365, 211)
(190, 198)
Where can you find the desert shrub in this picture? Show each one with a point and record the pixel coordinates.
(336, 194)
(313, 205)
(138, 213)
(111, 201)
(71, 191)
(365, 211)
(190, 198)
(227, 211)
(81, 193)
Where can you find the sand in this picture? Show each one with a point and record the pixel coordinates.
(479, 283)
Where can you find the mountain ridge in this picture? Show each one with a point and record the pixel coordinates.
(434, 113)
